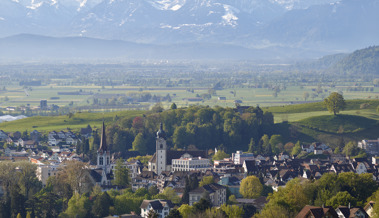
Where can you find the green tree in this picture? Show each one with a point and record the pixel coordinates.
(186, 210)
(232, 211)
(335, 103)
(351, 149)
(296, 149)
(202, 205)
(251, 187)
(179, 137)
(153, 190)
(251, 146)
(174, 213)
(101, 205)
(206, 180)
(305, 96)
(78, 206)
(274, 211)
(140, 144)
(173, 106)
(220, 155)
(171, 195)
(341, 198)
(121, 174)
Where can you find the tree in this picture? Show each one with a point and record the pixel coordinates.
(171, 195)
(173, 106)
(341, 198)
(140, 143)
(78, 206)
(101, 205)
(296, 149)
(206, 180)
(232, 211)
(335, 103)
(153, 190)
(202, 205)
(152, 214)
(121, 174)
(174, 213)
(75, 174)
(185, 210)
(251, 187)
(220, 155)
(305, 96)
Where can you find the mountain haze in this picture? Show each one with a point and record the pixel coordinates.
(309, 28)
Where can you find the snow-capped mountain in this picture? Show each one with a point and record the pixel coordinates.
(307, 24)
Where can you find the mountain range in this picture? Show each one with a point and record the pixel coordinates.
(297, 28)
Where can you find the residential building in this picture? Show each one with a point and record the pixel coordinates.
(188, 163)
(217, 194)
(45, 171)
(317, 212)
(347, 212)
(160, 207)
(239, 157)
(371, 146)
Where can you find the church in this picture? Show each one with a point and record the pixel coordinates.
(162, 159)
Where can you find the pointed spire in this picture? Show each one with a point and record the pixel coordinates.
(103, 143)
(161, 133)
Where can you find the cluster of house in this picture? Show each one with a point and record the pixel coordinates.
(169, 168)
(339, 212)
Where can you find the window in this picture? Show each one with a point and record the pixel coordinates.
(101, 161)
(161, 146)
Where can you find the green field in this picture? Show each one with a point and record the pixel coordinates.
(57, 123)
(18, 96)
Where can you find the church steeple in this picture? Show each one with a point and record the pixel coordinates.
(103, 154)
(103, 142)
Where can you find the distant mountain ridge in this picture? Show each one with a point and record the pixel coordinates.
(320, 26)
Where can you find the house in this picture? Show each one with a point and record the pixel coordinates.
(369, 208)
(233, 183)
(217, 194)
(250, 167)
(346, 212)
(317, 212)
(239, 157)
(160, 207)
(45, 171)
(371, 146)
(86, 132)
(35, 135)
(3, 135)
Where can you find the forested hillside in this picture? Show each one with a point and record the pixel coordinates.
(364, 61)
(204, 127)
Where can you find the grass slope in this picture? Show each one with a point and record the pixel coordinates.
(341, 123)
(319, 106)
(57, 123)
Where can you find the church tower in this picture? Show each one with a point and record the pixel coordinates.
(161, 150)
(103, 154)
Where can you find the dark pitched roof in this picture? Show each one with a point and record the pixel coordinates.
(317, 212)
(156, 204)
(250, 166)
(103, 143)
(210, 188)
(96, 175)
